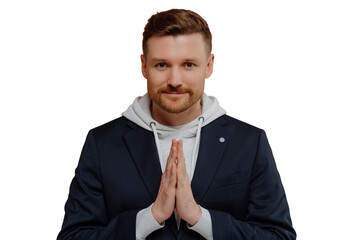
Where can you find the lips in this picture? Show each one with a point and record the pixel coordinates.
(181, 91)
(176, 93)
(173, 94)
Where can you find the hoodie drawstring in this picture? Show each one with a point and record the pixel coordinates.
(157, 142)
(196, 146)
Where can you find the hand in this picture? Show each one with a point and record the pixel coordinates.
(164, 204)
(186, 205)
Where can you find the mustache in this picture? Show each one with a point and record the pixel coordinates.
(175, 90)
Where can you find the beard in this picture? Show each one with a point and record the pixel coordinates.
(179, 104)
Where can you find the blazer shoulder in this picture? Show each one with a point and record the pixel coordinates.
(117, 126)
(238, 125)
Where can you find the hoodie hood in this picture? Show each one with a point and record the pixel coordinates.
(139, 113)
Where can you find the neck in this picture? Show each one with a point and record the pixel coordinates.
(176, 119)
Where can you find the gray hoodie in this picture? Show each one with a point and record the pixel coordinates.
(139, 113)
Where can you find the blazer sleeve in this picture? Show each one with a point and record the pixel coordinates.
(85, 209)
(268, 214)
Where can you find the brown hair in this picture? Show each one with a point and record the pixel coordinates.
(175, 22)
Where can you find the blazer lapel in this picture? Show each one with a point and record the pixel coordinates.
(214, 139)
(142, 149)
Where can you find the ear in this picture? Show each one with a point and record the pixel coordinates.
(210, 66)
(143, 65)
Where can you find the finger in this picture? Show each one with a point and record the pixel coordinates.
(180, 156)
(182, 175)
(172, 181)
(172, 155)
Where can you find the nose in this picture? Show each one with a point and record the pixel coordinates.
(174, 78)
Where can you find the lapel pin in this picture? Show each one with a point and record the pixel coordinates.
(221, 139)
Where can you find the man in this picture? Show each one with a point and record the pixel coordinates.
(175, 166)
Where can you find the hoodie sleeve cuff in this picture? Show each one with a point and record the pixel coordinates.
(203, 226)
(146, 223)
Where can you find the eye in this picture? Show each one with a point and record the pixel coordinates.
(161, 65)
(189, 65)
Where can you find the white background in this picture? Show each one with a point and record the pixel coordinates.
(289, 67)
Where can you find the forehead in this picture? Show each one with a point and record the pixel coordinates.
(179, 46)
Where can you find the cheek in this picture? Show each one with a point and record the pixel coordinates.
(156, 77)
(195, 79)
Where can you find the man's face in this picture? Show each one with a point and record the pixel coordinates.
(175, 68)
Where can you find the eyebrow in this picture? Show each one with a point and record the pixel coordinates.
(155, 59)
(191, 60)
(158, 59)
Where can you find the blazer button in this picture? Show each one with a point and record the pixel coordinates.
(221, 139)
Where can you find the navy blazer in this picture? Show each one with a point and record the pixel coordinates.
(119, 174)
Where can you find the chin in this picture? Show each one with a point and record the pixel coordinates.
(174, 108)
